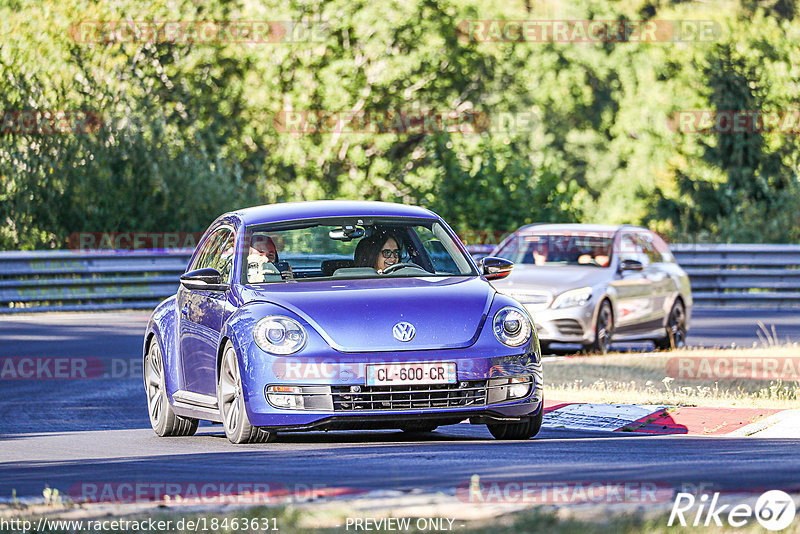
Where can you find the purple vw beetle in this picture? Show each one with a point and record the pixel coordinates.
(340, 315)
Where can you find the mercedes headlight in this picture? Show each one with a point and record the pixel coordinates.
(279, 335)
(573, 297)
(512, 327)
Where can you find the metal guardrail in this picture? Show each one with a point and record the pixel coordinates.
(742, 275)
(722, 276)
(88, 280)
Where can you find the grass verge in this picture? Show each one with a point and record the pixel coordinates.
(656, 378)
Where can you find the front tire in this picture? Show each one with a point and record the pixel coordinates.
(162, 417)
(523, 430)
(231, 403)
(603, 330)
(676, 329)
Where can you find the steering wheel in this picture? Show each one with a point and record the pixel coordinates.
(397, 266)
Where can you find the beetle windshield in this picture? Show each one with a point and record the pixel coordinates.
(355, 248)
(559, 248)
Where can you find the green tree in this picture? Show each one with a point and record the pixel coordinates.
(742, 186)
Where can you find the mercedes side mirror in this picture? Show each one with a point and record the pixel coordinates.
(630, 265)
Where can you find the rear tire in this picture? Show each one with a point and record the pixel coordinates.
(162, 417)
(523, 430)
(603, 330)
(675, 337)
(231, 403)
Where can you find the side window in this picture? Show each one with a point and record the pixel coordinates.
(440, 257)
(217, 252)
(221, 257)
(649, 248)
(663, 249)
(631, 249)
(201, 260)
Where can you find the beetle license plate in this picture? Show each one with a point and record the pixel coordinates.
(387, 374)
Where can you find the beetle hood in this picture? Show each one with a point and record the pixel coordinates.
(360, 315)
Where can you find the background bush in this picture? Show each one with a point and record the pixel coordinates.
(189, 128)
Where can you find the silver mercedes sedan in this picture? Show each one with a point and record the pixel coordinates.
(596, 284)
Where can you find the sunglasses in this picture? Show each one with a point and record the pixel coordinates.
(388, 253)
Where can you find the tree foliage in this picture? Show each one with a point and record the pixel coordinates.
(743, 186)
(191, 129)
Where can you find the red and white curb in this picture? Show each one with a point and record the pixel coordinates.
(649, 419)
(784, 424)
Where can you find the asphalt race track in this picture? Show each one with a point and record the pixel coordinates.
(64, 432)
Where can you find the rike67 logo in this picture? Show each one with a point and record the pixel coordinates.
(774, 510)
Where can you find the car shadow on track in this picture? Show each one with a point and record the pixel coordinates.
(363, 461)
(450, 433)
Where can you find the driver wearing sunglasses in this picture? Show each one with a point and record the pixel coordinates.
(390, 254)
(379, 251)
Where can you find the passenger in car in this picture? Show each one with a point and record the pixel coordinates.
(540, 252)
(263, 245)
(263, 260)
(602, 257)
(597, 255)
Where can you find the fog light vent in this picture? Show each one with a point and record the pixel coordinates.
(286, 397)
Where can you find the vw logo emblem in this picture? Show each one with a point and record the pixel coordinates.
(403, 331)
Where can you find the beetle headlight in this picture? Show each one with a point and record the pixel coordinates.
(573, 297)
(512, 327)
(279, 335)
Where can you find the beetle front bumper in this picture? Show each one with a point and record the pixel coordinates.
(309, 393)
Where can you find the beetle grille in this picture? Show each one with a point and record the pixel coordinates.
(406, 397)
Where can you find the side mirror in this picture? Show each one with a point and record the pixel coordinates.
(495, 268)
(630, 265)
(208, 279)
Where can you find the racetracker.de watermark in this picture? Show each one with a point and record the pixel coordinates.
(199, 31)
(133, 240)
(734, 367)
(202, 491)
(46, 122)
(68, 368)
(307, 122)
(588, 31)
(532, 492)
(735, 122)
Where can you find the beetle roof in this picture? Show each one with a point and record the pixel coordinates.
(289, 211)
